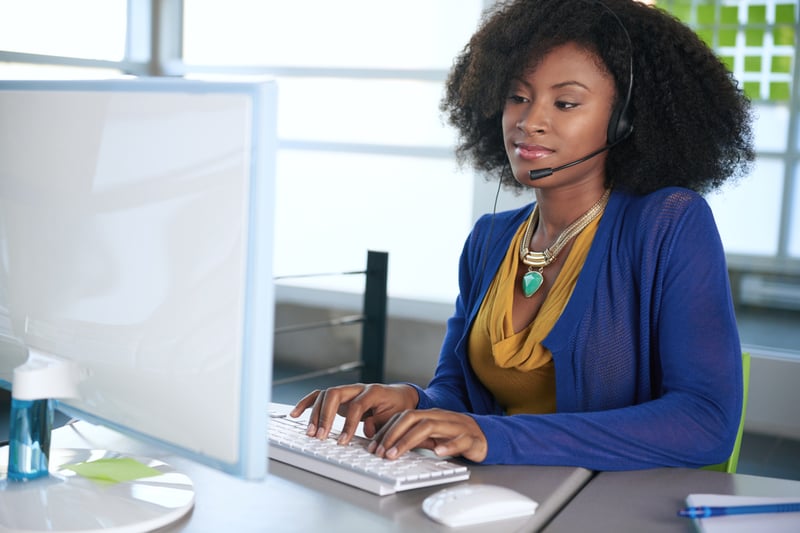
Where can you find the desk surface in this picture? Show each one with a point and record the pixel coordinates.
(570, 499)
(648, 500)
(290, 499)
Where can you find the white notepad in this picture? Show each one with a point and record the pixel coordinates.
(748, 523)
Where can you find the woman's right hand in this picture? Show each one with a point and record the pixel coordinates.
(373, 404)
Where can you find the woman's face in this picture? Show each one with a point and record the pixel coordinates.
(558, 113)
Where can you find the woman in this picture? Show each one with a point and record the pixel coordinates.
(594, 327)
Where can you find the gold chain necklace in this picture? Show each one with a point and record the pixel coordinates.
(533, 279)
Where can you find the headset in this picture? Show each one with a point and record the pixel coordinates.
(620, 124)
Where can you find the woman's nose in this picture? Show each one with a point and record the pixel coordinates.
(534, 120)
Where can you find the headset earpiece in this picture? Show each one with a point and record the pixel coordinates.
(619, 125)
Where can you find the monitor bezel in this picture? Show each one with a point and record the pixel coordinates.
(257, 342)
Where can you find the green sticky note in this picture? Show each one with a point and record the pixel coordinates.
(110, 471)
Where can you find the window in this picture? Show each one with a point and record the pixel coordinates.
(89, 29)
(365, 161)
(759, 218)
(757, 39)
(74, 39)
(354, 34)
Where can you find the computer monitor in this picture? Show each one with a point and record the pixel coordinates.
(136, 234)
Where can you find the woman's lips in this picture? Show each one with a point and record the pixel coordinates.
(532, 152)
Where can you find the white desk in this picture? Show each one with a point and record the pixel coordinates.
(291, 500)
(570, 499)
(648, 500)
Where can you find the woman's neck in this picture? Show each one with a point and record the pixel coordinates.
(560, 208)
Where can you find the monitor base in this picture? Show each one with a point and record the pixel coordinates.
(68, 501)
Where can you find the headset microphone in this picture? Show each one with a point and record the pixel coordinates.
(544, 172)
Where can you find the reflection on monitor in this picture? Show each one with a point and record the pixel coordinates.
(136, 231)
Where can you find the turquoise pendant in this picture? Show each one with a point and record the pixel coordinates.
(531, 282)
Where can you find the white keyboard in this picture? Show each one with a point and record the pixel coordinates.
(353, 464)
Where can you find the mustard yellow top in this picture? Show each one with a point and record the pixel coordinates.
(516, 368)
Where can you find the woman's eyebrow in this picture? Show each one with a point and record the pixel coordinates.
(563, 84)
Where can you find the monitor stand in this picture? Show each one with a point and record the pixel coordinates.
(68, 501)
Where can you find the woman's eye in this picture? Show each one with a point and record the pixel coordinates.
(565, 105)
(517, 99)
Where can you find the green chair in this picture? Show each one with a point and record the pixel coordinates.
(730, 465)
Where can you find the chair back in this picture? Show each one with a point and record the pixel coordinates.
(732, 462)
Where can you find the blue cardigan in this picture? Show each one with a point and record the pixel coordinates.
(646, 352)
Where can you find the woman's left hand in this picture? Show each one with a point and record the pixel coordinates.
(444, 432)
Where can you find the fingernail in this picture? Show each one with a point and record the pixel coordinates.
(392, 453)
(371, 446)
(321, 433)
(311, 430)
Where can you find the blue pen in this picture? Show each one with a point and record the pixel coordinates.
(706, 511)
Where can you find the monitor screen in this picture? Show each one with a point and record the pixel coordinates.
(136, 232)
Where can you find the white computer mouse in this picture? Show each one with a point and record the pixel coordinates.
(469, 504)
